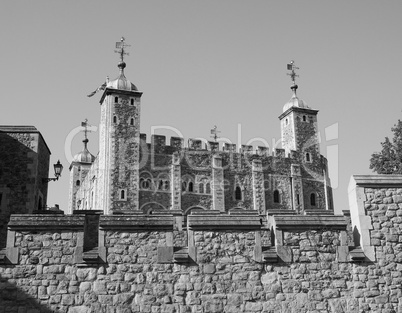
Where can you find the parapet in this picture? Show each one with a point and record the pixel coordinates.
(158, 142)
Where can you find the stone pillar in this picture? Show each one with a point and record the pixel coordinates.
(258, 187)
(218, 194)
(297, 188)
(176, 182)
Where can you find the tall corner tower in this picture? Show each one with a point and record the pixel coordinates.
(119, 141)
(299, 128)
(79, 169)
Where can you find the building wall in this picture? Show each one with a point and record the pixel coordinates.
(24, 161)
(311, 266)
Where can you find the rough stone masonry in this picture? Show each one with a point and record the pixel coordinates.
(211, 262)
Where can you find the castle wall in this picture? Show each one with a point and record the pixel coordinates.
(216, 263)
(24, 162)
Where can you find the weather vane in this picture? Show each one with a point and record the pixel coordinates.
(86, 130)
(293, 75)
(214, 132)
(121, 45)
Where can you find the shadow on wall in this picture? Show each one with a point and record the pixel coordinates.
(21, 299)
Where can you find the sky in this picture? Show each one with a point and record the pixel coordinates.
(206, 63)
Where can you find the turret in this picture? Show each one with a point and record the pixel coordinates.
(119, 142)
(79, 168)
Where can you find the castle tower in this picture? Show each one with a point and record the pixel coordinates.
(310, 183)
(299, 125)
(79, 168)
(119, 141)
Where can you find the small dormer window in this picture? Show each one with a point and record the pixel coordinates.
(116, 99)
(132, 101)
(304, 118)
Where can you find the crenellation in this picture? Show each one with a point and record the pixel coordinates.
(158, 141)
(246, 149)
(213, 146)
(279, 153)
(238, 255)
(262, 151)
(194, 144)
(177, 142)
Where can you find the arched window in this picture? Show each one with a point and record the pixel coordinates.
(277, 198)
(304, 118)
(308, 158)
(122, 195)
(208, 188)
(145, 182)
(238, 193)
(132, 101)
(77, 183)
(115, 119)
(187, 184)
(116, 99)
(312, 199)
(190, 186)
(298, 199)
(131, 121)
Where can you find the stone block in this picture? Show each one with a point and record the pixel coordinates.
(342, 254)
(165, 254)
(284, 253)
(12, 254)
(79, 309)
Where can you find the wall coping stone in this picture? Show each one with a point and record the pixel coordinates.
(45, 221)
(88, 212)
(377, 180)
(301, 222)
(280, 212)
(227, 222)
(137, 222)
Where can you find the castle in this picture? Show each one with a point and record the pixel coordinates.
(131, 175)
(159, 228)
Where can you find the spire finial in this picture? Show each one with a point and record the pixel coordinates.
(85, 125)
(215, 132)
(121, 49)
(291, 67)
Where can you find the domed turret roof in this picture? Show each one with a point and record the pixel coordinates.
(121, 82)
(84, 156)
(295, 102)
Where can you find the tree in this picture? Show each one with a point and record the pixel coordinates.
(389, 160)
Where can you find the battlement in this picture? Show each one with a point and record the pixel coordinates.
(158, 144)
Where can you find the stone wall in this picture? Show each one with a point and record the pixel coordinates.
(24, 162)
(194, 164)
(236, 262)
